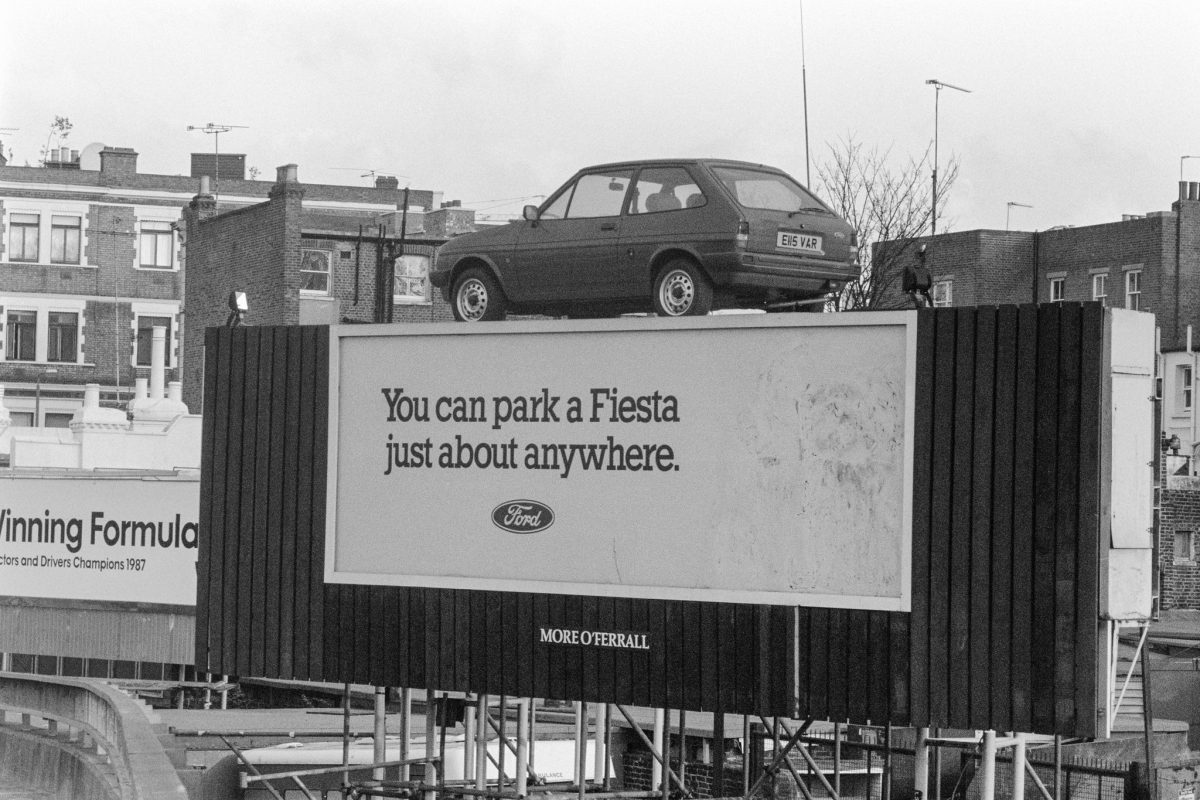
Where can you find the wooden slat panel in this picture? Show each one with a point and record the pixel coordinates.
(449, 640)
(818, 647)
(294, 621)
(1087, 608)
(838, 663)
(310, 577)
(1066, 527)
(1024, 481)
(941, 468)
(209, 617)
(248, 608)
(233, 495)
(1045, 519)
(982, 533)
(960, 522)
(902, 683)
(918, 658)
(262, 509)
(1003, 443)
(783, 662)
(462, 640)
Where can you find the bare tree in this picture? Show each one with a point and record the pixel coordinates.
(60, 130)
(883, 203)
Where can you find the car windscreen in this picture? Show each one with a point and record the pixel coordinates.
(772, 191)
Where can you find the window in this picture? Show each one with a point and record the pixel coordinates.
(411, 284)
(595, 195)
(1133, 289)
(20, 334)
(62, 337)
(145, 338)
(1100, 287)
(156, 245)
(314, 271)
(665, 189)
(57, 420)
(1056, 289)
(1183, 388)
(1186, 546)
(943, 294)
(64, 239)
(23, 237)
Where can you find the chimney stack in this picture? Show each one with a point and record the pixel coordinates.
(118, 162)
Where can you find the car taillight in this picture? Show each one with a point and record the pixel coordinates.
(743, 234)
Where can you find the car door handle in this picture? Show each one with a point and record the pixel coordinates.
(608, 226)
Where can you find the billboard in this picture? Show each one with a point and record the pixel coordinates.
(747, 459)
(123, 539)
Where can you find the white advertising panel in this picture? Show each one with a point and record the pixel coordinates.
(120, 539)
(752, 458)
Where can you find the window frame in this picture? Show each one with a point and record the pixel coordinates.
(1190, 556)
(1184, 388)
(1058, 289)
(1100, 281)
(1133, 289)
(25, 227)
(53, 328)
(328, 272)
(406, 298)
(944, 302)
(156, 235)
(56, 228)
(10, 338)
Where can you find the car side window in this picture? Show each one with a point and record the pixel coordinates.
(598, 194)
(558, 208)
(665, 189)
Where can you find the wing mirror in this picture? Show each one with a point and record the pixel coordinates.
(530, 213)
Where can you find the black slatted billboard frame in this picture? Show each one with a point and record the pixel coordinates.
(1003, 632)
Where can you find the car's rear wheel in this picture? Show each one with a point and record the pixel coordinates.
(682, 290)
(477, 297)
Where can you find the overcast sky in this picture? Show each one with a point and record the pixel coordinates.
(1081, 109)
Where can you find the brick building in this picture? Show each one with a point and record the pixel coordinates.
(91, 261)
(299, 263)
(1148, 262)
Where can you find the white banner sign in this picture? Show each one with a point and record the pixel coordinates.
(755, 459)
(120, 539)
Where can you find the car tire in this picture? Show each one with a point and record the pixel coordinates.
(477, 297)
(682, 290)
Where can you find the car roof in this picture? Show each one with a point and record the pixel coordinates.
(657, 162)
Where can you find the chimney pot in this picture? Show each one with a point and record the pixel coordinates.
(286, 174)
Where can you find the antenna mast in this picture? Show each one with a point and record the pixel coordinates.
(216, 130)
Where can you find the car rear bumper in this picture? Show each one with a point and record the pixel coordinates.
(753, 271)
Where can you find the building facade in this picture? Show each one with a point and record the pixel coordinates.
(91, 260)
(298, 263)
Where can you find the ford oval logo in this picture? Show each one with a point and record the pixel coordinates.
(522, 516)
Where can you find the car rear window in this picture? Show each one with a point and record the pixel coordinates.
(767, 190)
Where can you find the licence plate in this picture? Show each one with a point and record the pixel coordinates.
(793, 240)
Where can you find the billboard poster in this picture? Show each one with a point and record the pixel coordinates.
(123, 539)
(740, 458)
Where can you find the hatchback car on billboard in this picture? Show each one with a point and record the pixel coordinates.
(677, 237)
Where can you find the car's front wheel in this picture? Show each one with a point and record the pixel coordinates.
(477, 297)
(682, 290)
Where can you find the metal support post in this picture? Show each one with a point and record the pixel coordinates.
(481, 757)
(522, 768)
(656, 770)
(600, 768)
(432, 768)
(379, 752)
(581, 737)
(921, 763)
(468, 742)
(405, 730)
(1018, 767)
(987, 766)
